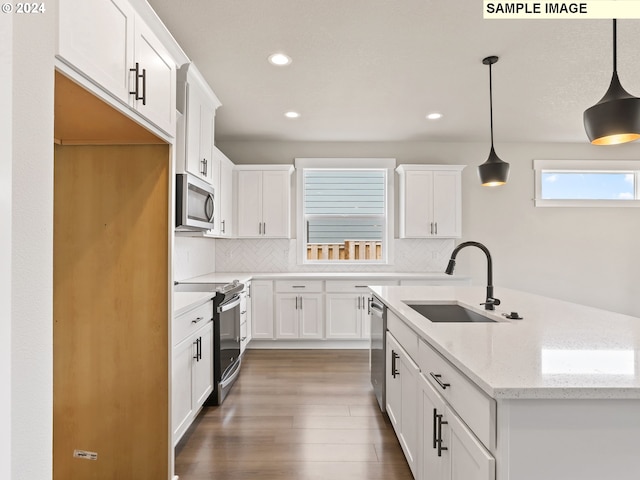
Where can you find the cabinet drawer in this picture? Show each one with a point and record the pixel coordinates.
(189, 322)
(474, 407)
(343, 286)
(299, 286)
(407, 338)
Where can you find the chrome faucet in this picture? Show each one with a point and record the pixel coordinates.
(491, 300)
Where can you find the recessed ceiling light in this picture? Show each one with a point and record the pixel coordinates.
(292, 114)
(279, 59)
(434, 116)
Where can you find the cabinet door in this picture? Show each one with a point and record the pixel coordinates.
(207, 118)
(343, 316)
(310, 313)
(430, 404)
(249, 201)
(249, 311)
(194, 100)
(203, 366)
(276, 198)
(409, 373)
(287, 308)
(96, 37)
(393, 383)
(181, 389)
(418, 210)
(446, 204)
(225, 196)
(469, 459)
(262, 309)
(159, 84)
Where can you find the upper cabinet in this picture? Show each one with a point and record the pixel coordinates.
(430, 201)
(196, 127)
(224, 195)
(109, 43)
(264, 200)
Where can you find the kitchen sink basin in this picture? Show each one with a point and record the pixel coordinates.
(448, 313)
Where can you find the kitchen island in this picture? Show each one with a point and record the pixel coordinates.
(555, 395)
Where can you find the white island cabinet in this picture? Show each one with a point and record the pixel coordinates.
(555, 395)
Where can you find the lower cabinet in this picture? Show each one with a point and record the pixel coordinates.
(402, 399)
(245, 317)
(450, 451)
(299, 316)
(262, 310)
(344, 315)
(192, 378)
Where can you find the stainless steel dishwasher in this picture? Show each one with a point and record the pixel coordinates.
(378, 311)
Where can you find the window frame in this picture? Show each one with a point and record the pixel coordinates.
(586, 166)
(388, 164)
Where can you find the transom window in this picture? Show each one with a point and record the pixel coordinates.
(343, 211)
(587, 183)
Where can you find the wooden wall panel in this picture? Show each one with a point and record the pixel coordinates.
(111, 325)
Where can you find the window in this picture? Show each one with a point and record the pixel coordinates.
(343, 210)
(587, 183)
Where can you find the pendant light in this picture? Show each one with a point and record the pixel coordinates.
(494, 171)
(616, 117)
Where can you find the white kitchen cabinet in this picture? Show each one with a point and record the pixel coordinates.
(298, 309)
(225, 195)
(195, 150)
(263, 198)
(245, 317)
(299, 315)
(348, 313)
(402, 398)
(108, 42)
(449, 450)
(262, 309)
(430, 201)
(192, 366)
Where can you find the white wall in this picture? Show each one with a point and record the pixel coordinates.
(585, 255)
(6, 45)
(34, 40)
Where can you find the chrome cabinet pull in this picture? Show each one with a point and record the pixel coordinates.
(223, 226)
(437, 377)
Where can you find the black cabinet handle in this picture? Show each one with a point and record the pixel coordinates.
(439, 440)
(437, 377)
(199, 348)
(197, 344)
(394, 357)
(137, 77)
(435, 426)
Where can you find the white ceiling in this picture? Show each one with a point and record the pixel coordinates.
(370, 70)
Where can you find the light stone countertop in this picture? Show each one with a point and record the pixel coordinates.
(558, 350)
(225, 277)
(185, 301)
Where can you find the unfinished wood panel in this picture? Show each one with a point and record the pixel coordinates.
(81, 118)
(110, 307)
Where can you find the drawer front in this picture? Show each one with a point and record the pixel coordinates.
(344, 286)
(407, 338)
(189, 322)
(298, 286)
(474, 407)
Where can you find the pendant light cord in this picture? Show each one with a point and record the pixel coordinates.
(615, 46)
(491, 104)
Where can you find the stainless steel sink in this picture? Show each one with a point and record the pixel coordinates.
(448, 313)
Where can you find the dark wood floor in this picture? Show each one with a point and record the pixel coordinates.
(298, 415)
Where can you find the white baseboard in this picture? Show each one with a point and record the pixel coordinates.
(310, 344)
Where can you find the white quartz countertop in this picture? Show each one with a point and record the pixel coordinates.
(185, 301)
(558, 350)
(224, 277)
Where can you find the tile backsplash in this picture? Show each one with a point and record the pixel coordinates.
(279, 255)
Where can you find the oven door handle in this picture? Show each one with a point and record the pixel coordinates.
(229, 305)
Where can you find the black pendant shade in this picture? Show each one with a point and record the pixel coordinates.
(494, 171)
(616, 117)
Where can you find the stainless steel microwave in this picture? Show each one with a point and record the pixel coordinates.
(195, 203)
